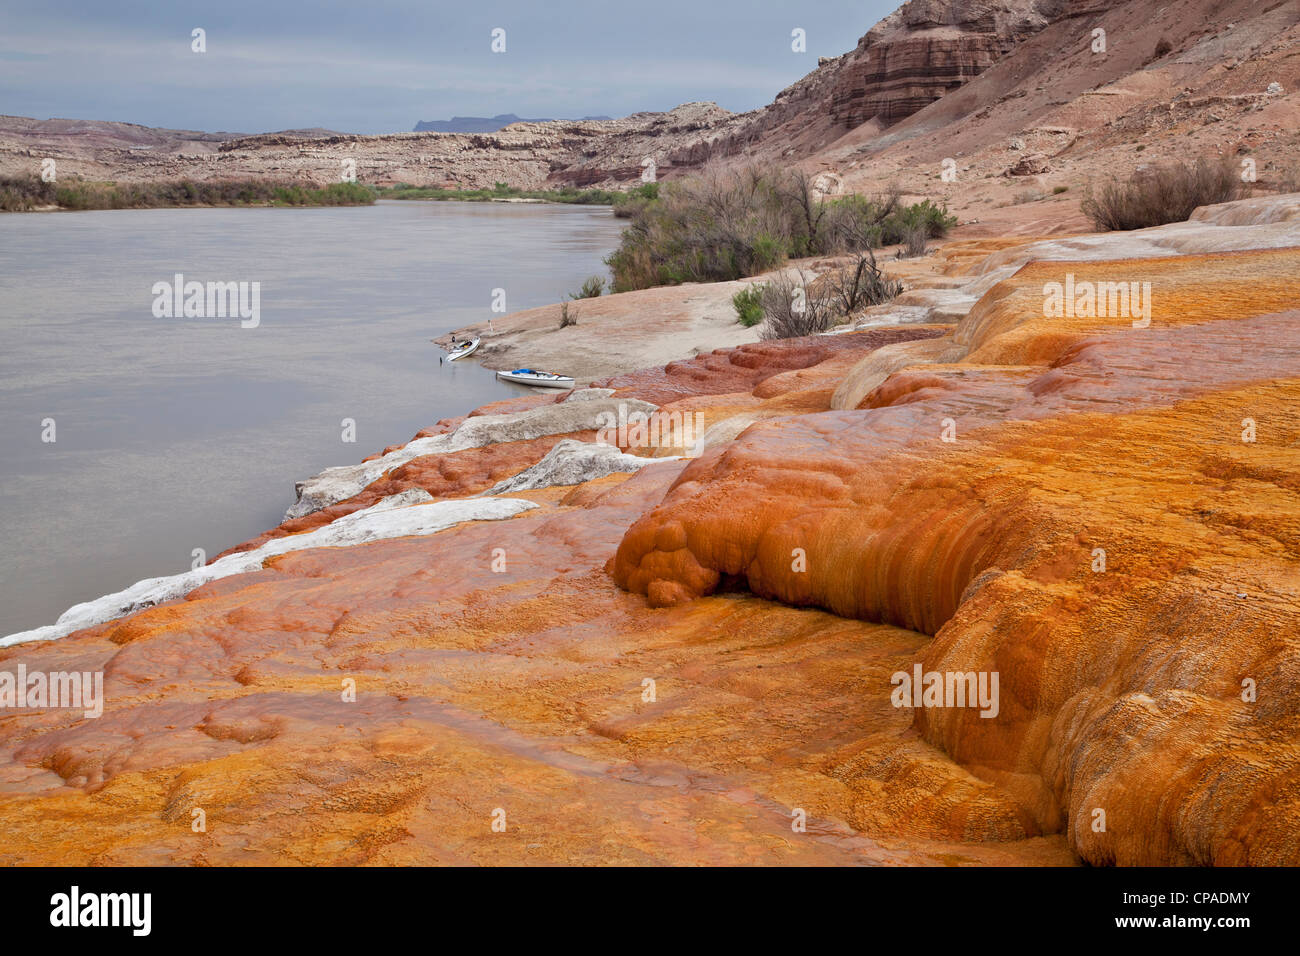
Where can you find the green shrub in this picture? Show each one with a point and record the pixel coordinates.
(857, 222)
(592, 288)
(748, 303)
(728, 225)
(17, 195)
(628, 204)
(564, 194)
(342, 194)
(766, 253)
(931, 220)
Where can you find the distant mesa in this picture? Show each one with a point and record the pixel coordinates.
(481, 124)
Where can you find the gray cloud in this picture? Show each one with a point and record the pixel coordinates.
(380, 66)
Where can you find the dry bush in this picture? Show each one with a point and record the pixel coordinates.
(1161, 194)
(21, 193)
(794, 306)
(913, 242)
(861, 284)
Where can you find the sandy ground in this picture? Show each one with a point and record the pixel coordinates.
(615, 333)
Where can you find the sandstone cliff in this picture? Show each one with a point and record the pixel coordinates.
(928, 47)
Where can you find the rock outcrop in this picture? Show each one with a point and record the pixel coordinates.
(1100, 513)
(927, 48)
(335, 484)
(514, 621)
(913, 57)
(571, 462)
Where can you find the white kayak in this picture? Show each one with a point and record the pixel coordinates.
(461, 350)
(528, 376)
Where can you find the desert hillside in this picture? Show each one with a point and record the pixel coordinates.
(1011, 98)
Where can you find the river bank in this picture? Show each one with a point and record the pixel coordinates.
(617, 334)
(35, 194)
(696, 660)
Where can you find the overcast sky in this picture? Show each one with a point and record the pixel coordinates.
(374, 66)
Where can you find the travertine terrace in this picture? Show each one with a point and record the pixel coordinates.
(641, 670)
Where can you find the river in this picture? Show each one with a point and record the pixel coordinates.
(175, 434)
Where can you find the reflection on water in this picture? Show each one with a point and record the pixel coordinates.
(184, 433)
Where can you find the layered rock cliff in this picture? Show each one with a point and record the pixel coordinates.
(913, 57)
(928, 47)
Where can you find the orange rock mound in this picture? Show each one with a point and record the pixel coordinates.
(1088, 523)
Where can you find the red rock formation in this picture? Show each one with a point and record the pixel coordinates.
(922, 51)
(1125, 440)
(742, 368)
(926, 48)
(497, 665)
